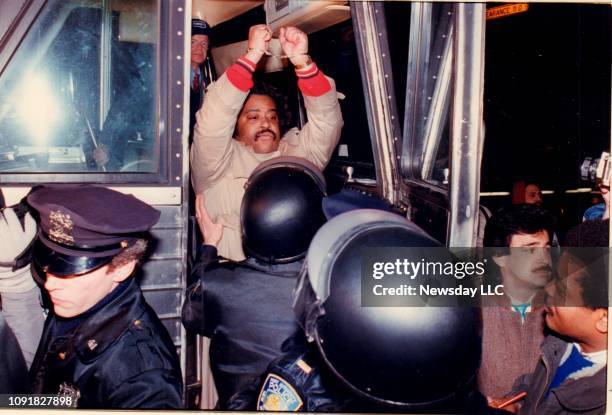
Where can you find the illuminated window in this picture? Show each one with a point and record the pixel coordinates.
(79, 94)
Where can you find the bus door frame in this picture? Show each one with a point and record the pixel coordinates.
(459, 86)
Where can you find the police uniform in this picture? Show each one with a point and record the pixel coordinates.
(245, 309)
(116, 354)
(294, 382)
(372, 359)
(301, 381)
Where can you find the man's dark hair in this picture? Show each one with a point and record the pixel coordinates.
(594, 281)
(280, 100)
(516, 219)
(131, 253)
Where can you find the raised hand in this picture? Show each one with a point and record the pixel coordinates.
(295, 44)
(211, 232)
(100, 155)
(259, 39)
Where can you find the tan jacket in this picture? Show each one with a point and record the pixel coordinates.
(220, 165)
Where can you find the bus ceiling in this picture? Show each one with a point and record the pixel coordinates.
(216, 11)
(310, 16)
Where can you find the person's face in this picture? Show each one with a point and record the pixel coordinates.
(258, 124)
(574, 322)
(199, 49)
(72, 296)
(528, 263)
(533, 194)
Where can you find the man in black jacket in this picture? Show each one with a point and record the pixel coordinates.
(245, 307)
(102, 345)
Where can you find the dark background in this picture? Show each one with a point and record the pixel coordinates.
(547, 94)
(547, 102)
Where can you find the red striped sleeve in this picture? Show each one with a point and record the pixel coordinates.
(240, 74)
(312, 82)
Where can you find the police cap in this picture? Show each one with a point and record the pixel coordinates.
(200, 27)
(83, 227)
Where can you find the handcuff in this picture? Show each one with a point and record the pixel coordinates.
(267, 53)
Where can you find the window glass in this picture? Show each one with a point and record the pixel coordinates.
(79, 94)
(335, 52)
(397, 19)
(422, 88)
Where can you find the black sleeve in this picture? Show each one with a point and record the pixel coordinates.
(206, 255)
(153, 389)
(193, 314)
(245, 399)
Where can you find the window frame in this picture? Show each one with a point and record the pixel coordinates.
(377, 79)
(423, 123)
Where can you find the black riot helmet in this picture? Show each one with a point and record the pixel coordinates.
(282, 209)
(410, 358)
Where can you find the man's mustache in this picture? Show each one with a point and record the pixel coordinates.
(543, 268)
(267, 130)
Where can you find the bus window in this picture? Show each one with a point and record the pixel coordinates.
(424, 80)
(335, 52)
(397, 19)
(79, 94)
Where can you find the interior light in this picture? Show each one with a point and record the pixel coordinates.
(37, 108)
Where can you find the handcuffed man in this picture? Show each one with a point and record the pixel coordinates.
(239, 126)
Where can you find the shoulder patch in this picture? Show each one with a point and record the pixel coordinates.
(278, 395)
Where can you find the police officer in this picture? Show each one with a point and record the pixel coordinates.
(102, 344)
(245, 307)
(351, 358)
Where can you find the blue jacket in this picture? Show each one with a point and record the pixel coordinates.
(580, 396)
